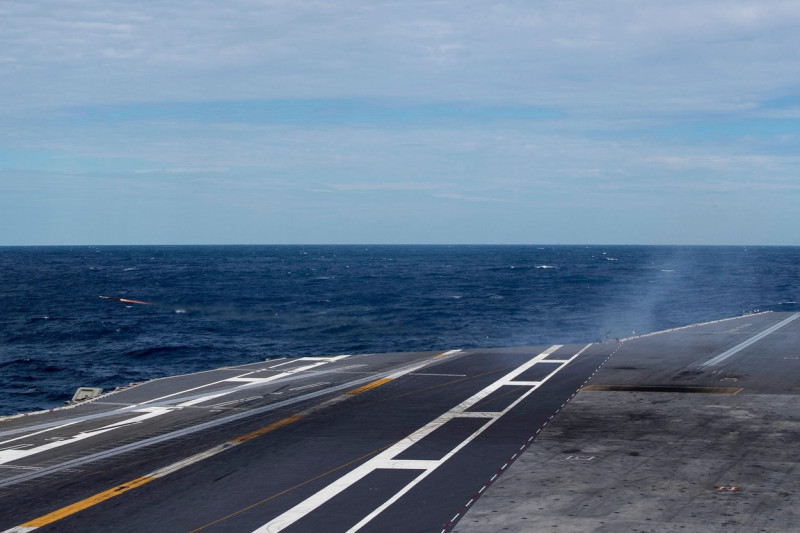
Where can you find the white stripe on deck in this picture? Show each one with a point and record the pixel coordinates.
(149, 441)
(387, 458)
(752, 340)
(250, 382)
(9, 455)
(149, 411)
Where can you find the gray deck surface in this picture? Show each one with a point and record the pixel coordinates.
(473, 440)
(667, 461)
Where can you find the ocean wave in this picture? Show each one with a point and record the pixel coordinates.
(158, 350)
(29, 367)
(340, 329)
(242, 307)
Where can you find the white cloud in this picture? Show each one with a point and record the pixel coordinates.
(467, 198)
(383, 186)
(628, 82)
(630, 55)
(181, 170)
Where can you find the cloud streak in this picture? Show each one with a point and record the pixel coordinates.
(516, 112)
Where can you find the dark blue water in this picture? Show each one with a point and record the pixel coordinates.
(219, 305)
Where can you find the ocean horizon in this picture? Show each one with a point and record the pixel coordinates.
(109, 315)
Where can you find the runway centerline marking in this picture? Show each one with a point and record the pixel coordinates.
(752, 340)
(387, 459)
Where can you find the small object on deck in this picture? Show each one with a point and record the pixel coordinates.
(86, 393)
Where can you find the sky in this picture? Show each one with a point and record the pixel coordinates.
(339, 122)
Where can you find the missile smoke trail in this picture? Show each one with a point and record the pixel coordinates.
(126, 300)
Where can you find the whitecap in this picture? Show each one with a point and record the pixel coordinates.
(545, 266)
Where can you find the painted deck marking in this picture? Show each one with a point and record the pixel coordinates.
(153, 411)
(88, 502)
(311, 385)
(135, 407)
(522, 448)
(266, 429)
(174, 467)
(8, 455)
(752, 340)
(368, 386)
(439, 375)
(386, 459)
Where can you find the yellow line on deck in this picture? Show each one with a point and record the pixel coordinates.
(368, 386)
(88, 502)
(266, 429)
(119, 489)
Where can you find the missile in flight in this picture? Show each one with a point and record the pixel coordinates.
(126, 300)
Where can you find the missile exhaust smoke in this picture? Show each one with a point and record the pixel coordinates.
(126, 300)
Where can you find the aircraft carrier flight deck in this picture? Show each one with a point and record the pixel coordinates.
(692, 429)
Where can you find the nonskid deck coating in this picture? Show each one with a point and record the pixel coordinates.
(644, 460)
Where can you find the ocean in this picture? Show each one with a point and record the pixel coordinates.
(210, 306)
